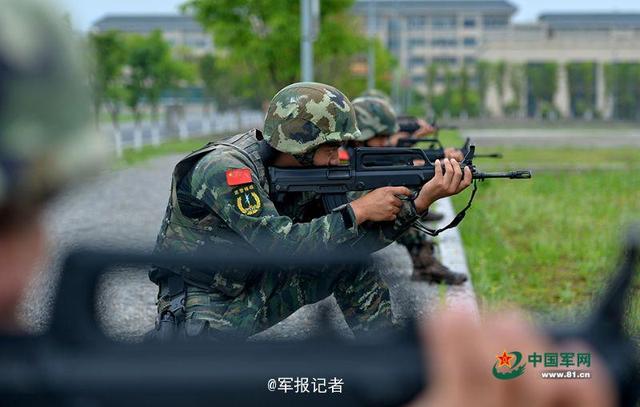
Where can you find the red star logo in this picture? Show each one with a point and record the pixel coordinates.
(504, 359)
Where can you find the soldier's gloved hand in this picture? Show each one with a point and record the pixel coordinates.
(453, 153)
(379, 205)
(461, 351)
(451, 182)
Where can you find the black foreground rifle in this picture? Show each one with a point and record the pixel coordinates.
(76, 364)
(370, 168)
(435, 150)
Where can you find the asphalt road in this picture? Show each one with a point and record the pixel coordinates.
(124, 208)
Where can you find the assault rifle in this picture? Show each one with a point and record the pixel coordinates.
(76, 364)
(370, 168)
(409, 124)
(434, 149)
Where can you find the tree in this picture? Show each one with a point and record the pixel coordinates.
(209, 75)
(581, 77)
(151, 70)
(449, 84)
(464, 91)
(543, 82)
(517, 83)
(432, 77)
(263, 37)
(500, 74)
(108, 60)
(623, 84)
(483, 75)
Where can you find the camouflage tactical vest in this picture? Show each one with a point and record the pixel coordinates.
(188, 226)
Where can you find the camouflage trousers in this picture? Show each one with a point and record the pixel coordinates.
(361, 295)
(413, 240)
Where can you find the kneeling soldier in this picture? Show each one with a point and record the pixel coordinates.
(220, 198)
(377, 122)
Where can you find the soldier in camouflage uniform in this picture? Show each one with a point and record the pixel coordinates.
(377, 122)
(376, 93)
(220, 198)
(46, 138)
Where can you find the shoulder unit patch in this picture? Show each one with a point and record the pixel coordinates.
(247, 200)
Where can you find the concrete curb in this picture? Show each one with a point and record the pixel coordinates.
(452, 255)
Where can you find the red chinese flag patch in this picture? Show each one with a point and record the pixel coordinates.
(238, 176)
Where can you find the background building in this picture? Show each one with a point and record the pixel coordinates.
(593, 41)
(580, 55)
(178, 30)
(589, 56)
(422, 32)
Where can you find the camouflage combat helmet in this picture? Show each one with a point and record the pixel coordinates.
(376, 93)
(375, 117)
(305, 115)
(45, 134)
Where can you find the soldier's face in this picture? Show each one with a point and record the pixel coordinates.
(378, 141)
(326, 156)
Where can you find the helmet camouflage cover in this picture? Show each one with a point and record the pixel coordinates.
(305, 115)
(45, 133)
(375, 117)
(376, 93)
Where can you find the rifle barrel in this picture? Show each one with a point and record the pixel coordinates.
(491, 155)
(521, 174)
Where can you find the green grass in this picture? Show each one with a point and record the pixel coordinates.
(450, 138)
(560, 159)
(134, 157)
(549, 244)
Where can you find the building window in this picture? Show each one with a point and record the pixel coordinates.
(417, 80)
(443, 22)
(445, 60)
(417, 22)
(469, 60)
(492, 22)
(393, 42)
(417, 62)
(394, 45)
(416, 43)
(444, 42)
(470, 42)
(469, 22)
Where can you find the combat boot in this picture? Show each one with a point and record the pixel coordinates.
(427, 268)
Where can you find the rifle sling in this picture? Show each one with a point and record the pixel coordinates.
(433, 232)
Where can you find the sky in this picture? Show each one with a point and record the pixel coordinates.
(85, 12)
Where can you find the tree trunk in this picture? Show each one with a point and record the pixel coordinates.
(117, 133)
(155, 126)
(239, 120)
(137, 131)
(206, 118)
(183, 131)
